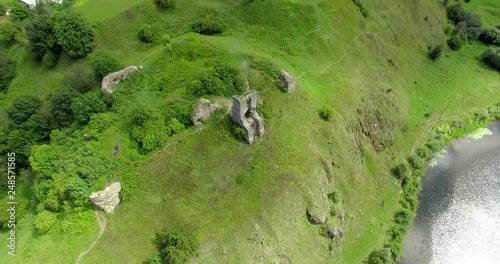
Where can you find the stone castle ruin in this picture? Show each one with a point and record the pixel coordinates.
(287, 81)
(244, 113)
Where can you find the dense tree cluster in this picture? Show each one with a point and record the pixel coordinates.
(7, 70)
(53, 30)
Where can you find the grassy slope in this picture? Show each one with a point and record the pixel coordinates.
(225, 189)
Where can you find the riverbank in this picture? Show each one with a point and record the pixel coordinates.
(410, 170)
(458, 217)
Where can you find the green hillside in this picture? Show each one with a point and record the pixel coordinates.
(367, 64)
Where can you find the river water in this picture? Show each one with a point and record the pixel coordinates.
(458, 219)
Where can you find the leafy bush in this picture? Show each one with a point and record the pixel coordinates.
(176, 245)
(239, 132)
(174, 126)
(165, 4)
(456, 13)
(10, 33)
(44, 221)
(148, 33)
(416, 162)
(156, 259)
(103, 64)
(455, 42)
(50, 60)
(148, 131)
(23, 108)
(491, 57)
(334, 197)
(381, 256)
(491, 35)
(402, 172)
(436, 52)
(210, 23)
(181, 111)
(80, 78)
(86, 105)
(7, 70)
(222, 80)
(325, 113)
(74, 33)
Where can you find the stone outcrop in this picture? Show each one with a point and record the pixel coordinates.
(287, 81)
(108, 198)
(110, 81)
(244, 113)
(203, 110)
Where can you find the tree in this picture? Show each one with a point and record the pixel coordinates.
(19, 11)
(7, 70)
(176, 245)
(491, 35)
(103, 64)
(382, 256)
(86, 105)
(455, 42)
(73, 33)
(41, 36)
(81, 78)
(456, 13)
(491, 57)
(61, 107)
(436, 52)
(50, 59)
(23, 108)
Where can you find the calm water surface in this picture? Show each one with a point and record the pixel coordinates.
(458, 220)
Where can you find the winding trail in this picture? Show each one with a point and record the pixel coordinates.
(102, 223)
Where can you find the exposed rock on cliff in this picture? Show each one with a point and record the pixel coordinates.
(110, 81)
(108, 198)
(203, 110)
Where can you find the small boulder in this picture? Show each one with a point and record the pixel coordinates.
(108, 198)
(315, 216)
(203, 110)
(110, 81)
(88, 137)
(287, 81)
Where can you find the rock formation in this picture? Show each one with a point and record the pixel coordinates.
(287, 81)
(110, 81)
(108, 198)
(244, 113)
(203, 110)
